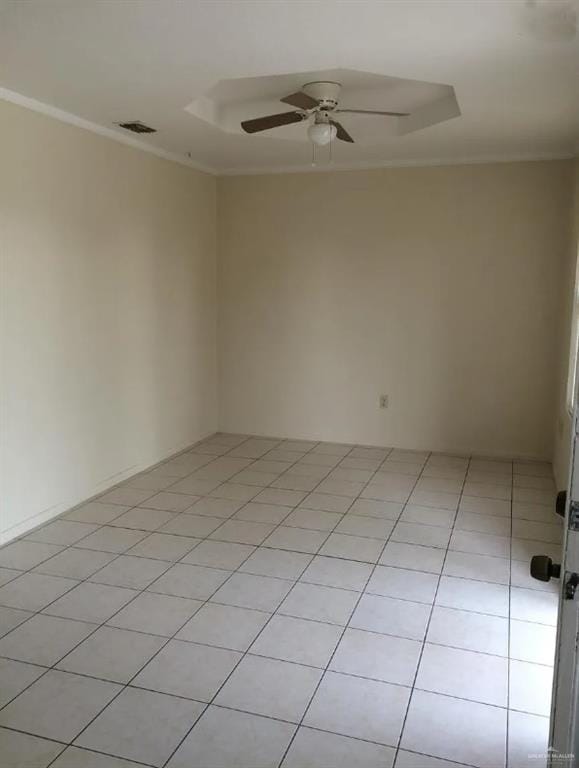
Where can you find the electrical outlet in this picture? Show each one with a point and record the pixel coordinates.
(383, 401)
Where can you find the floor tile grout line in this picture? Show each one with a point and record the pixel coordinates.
(326, 669)
(508, 720)
(271, 717)
(97, 627)
(219, 706)
(244, 654)
(126, 685)
(279, 613)
(413, 688)
(86, 579)
(170, 564)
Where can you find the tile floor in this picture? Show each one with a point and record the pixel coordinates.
(260, 602)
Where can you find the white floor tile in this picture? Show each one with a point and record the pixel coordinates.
(380, 657)
(489, 524)
(247, 591)
(215, 507)
(530, 688)
(417, 533)
(528, 737)
(296, 539)
(74, 757)
(482, 506)
(223, 737)
(352, 547)
(44, 639)
(391, 617)
(363, 709)
(193, 581)
(171, 502)
(262, 513)
(404, 584)
(469, 631)
(290, 575)
(143, 519)
(480, 543)
(112, 654)
(15, 676)
(477, 596)
(386, 510)
(187, 669)
(468, 565)
(11, 618)
(413, 557)
(464, 674)
(75, 563)
(275, 562)
(242, 532)
(524, 549)
(538, 531)
(32, 591)
(95, 512)
(63, 532)
(266, 687)
(534, 605)
(299, 640)
(315, 520)
(225, 626)
(235, 491)
(320, 603)
(141, 725)
(532, 642)
(317, 749)
(333, 572)
(219, 554)
(414, 513)
(58, 705)
(359, 525)
(280, 496)
(405, 759)
(131, 572)
(19, 750)
(111, 539)
(457, 730)
(163, 546)
(91, 602)
(157, 614)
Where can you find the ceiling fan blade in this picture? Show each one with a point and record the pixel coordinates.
(271, 121)
(373, 112)
(341, 132)
(300, 100)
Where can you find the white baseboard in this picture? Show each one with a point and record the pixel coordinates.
(28, 525)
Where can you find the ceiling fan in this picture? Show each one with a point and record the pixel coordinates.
(318, 103)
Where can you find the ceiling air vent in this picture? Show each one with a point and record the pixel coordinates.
(137, 127)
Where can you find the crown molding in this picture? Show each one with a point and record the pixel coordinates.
(101, 130)
(405, 163)
(110, 133)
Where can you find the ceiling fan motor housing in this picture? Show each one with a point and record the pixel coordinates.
(325, 92)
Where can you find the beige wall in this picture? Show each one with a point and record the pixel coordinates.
(562, 440)
(449, 289)
(438, 286)
(108, 313)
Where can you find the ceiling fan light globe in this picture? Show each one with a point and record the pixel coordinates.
(322, 133)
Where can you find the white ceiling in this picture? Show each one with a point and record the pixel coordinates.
(113, 60)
